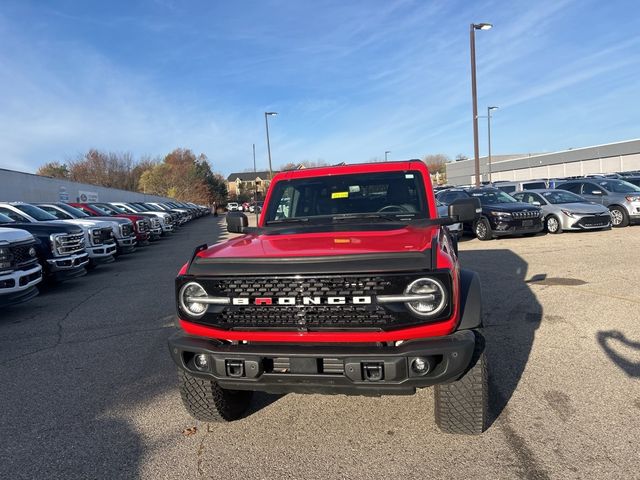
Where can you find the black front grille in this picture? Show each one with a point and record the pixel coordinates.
(595, 221)
(526, 214)
(20, 255)
(309, 286)
(101, 236)
(348, 316)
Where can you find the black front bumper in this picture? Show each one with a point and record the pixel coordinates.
(500, 227)
(345, 369)
(18, 297)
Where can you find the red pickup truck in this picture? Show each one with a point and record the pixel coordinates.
(141, 225)
(350, 283)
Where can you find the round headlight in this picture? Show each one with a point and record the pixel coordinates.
(433, 297)
(188, 296)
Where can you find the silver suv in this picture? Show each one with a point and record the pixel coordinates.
(622, 198)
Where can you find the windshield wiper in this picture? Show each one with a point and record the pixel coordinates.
(382, 216)
(288, 220)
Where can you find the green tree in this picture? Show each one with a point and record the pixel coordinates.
(54, 170)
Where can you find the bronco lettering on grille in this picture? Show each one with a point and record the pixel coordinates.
(262, 301)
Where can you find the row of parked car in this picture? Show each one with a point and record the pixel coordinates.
(251, 207)
(56, 241)
(585, 203)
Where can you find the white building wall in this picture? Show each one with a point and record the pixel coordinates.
(26, 187)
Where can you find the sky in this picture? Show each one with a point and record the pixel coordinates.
(349, 79)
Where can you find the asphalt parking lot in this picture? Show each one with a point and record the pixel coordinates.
(89, 389)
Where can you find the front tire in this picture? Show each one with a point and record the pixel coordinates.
(619, 217)
(462, 407)
(207, 401)
(482, 229)
(553, 224)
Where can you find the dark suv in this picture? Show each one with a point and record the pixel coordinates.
(501, 213)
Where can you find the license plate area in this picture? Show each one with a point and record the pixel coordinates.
(527, 223)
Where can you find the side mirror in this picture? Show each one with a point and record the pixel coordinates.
(237, 222)
(536, 203)
(465, 209)
(596, 192)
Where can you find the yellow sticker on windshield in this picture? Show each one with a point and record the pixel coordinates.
(339, 195)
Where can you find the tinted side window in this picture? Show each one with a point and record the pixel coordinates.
(572, 187)
(448, 197)
(87, 211)
(13, 215)
(55, 212)
(590, 188)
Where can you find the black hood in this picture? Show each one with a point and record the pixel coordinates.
(45, 228)
(510, 207)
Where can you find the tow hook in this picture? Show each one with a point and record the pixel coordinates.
(372, 371)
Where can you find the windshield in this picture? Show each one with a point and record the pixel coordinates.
(35, 212)
(618, 186)
(141, 207)
(560, 196)
(492, 197)
(110, 209)
(73, 211)
(5, 219)
(134, 207)
(102, 210)
(397, 194)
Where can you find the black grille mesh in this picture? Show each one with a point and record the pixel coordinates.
(595, 221)
(286, 287)
(21, 255)
(312, 317)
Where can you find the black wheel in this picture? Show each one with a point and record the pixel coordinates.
(482, 229)
(553, 225)
(462, 407)
(619, 217)
(206, 401)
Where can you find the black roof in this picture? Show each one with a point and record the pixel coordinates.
(248, 176)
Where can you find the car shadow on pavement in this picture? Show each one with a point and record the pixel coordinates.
(612, 342)
(511, 316)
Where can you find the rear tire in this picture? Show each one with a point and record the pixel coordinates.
(206, 401)
(553, 224)
(619, 217)
(462, 407)
(482, 229)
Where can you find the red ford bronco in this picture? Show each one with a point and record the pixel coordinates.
(349, 284)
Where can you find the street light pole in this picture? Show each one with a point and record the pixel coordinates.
(266, 123)
(474, 94)
(255, 185)
(386, 155)
(489, 136)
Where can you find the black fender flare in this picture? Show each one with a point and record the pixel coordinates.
(470, 300)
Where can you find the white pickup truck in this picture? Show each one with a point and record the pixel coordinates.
(20, 271)
(99, 241)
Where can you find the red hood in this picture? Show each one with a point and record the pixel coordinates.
(406, 239)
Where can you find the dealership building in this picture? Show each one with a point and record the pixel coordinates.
(612, 157)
